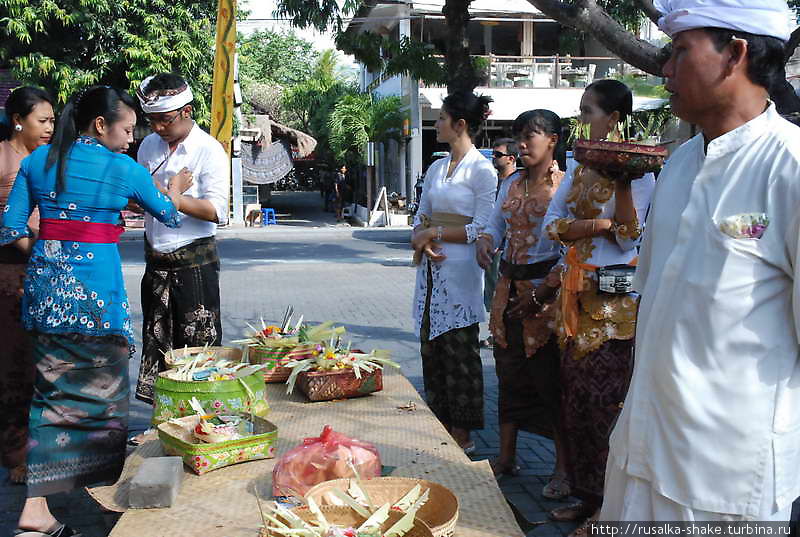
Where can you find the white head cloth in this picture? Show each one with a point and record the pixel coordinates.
(163, 100)
(759, 17)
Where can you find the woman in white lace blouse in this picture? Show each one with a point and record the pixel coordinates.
(456, 202)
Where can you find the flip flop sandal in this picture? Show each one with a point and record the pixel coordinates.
(571, 513)
(61, 530)
(138, 439)
(557, 488)
(501, 470)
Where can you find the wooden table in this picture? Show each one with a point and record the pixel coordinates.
(222, 503)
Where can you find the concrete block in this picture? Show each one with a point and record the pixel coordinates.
(156, 483)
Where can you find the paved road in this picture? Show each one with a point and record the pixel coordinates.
(359, 277)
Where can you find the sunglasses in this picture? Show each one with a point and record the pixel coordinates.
(498, 154)
(162, 121)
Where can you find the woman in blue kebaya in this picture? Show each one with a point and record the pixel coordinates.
(75, 306)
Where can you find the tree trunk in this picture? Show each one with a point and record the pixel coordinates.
(588, 17)
(461, 75)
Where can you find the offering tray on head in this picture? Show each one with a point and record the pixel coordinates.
(629, 159)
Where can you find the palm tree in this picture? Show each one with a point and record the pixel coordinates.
(359, 119)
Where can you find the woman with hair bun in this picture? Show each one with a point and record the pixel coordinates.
(456, 202)
(27, 124)
(525, 349)
(75, 307)
(598, 218)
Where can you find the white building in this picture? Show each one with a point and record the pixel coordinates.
(531, 65)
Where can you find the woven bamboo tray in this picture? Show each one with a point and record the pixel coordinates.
(440, 513)
(620, 157)
(274, 358)
(345, 517)
(177, 439)
(229, 353)
(339, 384)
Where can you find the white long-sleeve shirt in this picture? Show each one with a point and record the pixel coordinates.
(715, 395)
(210, 166)
(604, 252)
(457, 292)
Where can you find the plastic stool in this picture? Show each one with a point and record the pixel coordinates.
(268, 217)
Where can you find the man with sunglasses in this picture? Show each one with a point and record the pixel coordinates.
(180, 287)
(504, 159)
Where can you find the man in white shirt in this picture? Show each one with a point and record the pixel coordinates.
(710, 428)
(180, 287)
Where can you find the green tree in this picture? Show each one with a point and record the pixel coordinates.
(613, 22)
(66, 45)
(280, 57)
(358, 119)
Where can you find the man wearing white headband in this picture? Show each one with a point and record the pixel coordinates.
(180, 287)
(710, 429)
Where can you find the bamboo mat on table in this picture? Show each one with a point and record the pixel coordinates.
(222, 503)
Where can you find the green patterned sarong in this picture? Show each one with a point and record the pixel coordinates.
(79, 413)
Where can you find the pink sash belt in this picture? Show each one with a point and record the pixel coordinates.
(75, 230)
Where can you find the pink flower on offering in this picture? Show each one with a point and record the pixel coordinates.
(217, 404)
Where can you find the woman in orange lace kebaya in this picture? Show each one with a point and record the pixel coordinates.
(598, 218)
(525, 350)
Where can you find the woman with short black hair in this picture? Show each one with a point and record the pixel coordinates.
(525, 349)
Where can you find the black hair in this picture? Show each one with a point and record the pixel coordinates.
(613, 96)
(21, 102)
(473, 109)
(543, 122)
(166, 81)
(78, 115)
(511, 146)
(765, 55)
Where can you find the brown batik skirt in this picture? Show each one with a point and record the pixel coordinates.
(592, 390)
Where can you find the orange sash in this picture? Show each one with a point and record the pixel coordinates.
(571, 285)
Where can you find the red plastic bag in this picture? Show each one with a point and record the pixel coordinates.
(322, 459)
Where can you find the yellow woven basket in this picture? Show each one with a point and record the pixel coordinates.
(344, 517)
(440, 513)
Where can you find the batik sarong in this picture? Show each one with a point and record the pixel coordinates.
(592, 389)
(16, 370)
(180, 302)
(528, 386)
(79, 412)
(452, 372)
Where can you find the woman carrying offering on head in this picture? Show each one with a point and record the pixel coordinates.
(598, 218)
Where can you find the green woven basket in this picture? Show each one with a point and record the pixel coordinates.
(177, 438)
(221, 397)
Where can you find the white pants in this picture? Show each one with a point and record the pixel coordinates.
(629, 498)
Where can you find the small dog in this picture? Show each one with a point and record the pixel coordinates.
(253, 218)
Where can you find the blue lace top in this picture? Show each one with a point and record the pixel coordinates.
(77, 287)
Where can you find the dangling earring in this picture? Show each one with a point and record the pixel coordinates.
(18, 127)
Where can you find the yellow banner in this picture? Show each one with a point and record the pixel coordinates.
(222, 92)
